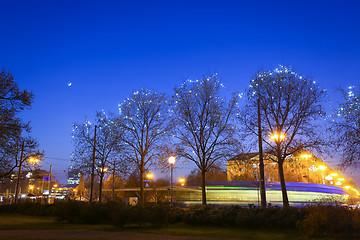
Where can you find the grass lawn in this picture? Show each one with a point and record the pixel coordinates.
(226, 233)
(20, 222)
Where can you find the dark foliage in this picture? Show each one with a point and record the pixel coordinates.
(329, 220)
(318, 220)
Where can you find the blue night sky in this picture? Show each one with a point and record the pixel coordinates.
(107, 49)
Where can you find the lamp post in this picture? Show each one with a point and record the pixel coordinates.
(149, 176)
(33, 161)
(306, 157)
(322, 168)
(103, 170)
(31, 187)
(172, 161)
(279, 138)
(182, 181)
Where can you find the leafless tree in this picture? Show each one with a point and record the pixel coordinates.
(204, 124)
(345, 128)
(145, 122)
(291, 107)
(108, 146)
(12, 101)
(11, 154)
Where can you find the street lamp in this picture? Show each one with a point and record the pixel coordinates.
(277, 137)
(338, 183)
(322, 168)
(33, 161)
(182, 181)
(31, 187)
(172, 161)
(149, 176)
(329, 177)
(306, 156)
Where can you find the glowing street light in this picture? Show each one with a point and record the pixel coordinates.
(306, 156)
(277, 137)
(329, 178)
(347, 187)
(182, 181)
(33, 161)
(149, 176)
(31, 187)
(338, 183)
(322, 168)
(172, 161)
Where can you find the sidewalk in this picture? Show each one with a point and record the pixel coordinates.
(89, 235)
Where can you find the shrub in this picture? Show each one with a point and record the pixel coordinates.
(28, 208)
(327, 220)
(196, 216)
(176, 215)
(118, 214)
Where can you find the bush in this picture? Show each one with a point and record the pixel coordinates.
(195, 216)
(92, 213)
(319, 220)
(70, 211)
(119, 214)
(176, 215)
(28, 208)
(328, 220)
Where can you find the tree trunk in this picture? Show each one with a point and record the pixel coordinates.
(203, 190)
(19, 173)
(142, 200)
(283, 185)
(93, 167)
(113, 183)
(100, 186)
(261, 161)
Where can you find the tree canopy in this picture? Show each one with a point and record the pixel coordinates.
(346, 127)
(204, 124)
(13, 100)
(108, 145)
(290, 106)
(144, 118)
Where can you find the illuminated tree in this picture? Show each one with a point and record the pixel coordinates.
(290, 105)
(144, 119)
(108, 146)
(204, 124)
(346, 127)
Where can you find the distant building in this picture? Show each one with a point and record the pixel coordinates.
(245, 167)
(73, 176)
(32, 184)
